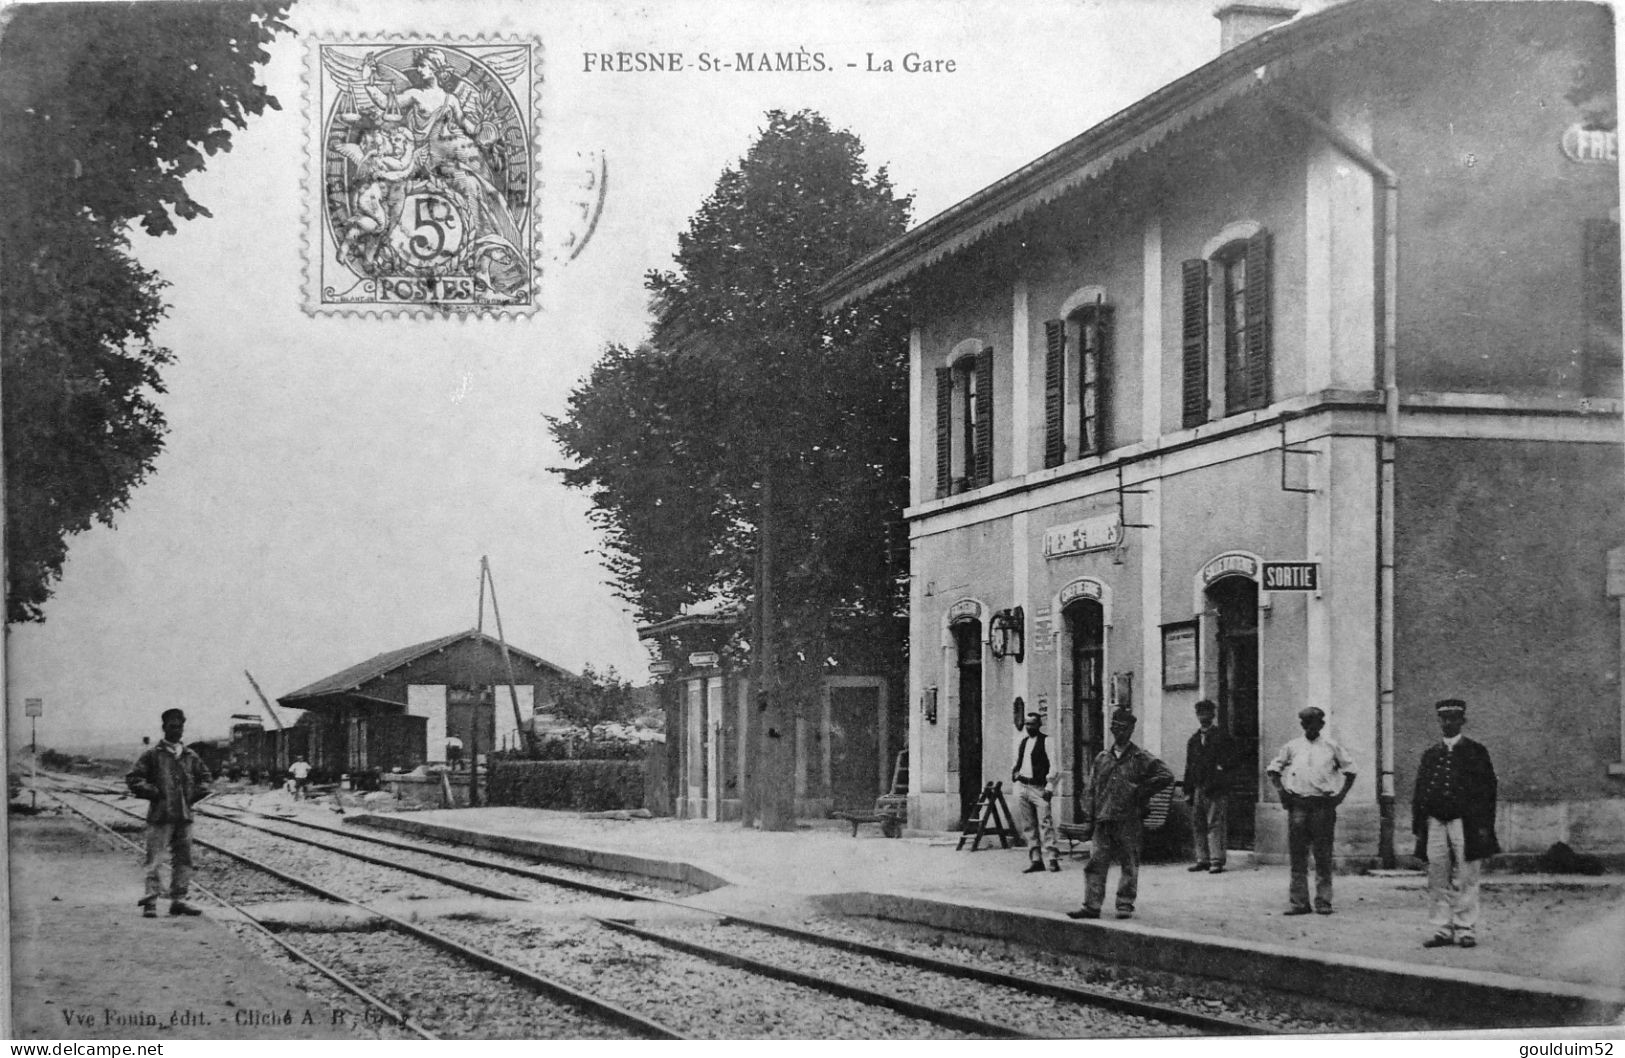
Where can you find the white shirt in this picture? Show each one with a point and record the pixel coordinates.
(1312, 769)
(299, 770)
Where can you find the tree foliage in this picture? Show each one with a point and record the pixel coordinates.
(594, 697)
(105, 110)
(744, 377)
(756, 447)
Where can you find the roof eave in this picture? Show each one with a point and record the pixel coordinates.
(1144, 122)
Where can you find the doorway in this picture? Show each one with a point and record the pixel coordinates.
(968, 646)
(1235, 601)
(1086, 627)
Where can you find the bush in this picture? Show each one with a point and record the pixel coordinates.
(583, 785)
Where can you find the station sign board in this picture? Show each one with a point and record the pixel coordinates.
(704, 659)
(1291, 576)
(33, 707)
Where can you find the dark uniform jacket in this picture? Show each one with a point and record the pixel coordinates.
(169, 783)
(1209, 768)
(1456, 784)
(1120, 788)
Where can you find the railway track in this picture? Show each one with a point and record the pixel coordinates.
(758, 970)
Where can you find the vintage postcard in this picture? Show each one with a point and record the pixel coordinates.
(853, 519)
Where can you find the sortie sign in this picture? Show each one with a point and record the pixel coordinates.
(1291, 576)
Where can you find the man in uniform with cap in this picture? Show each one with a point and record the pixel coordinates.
(1453, 818)
(1312, 775)
(1035, 778)
(1122, 782)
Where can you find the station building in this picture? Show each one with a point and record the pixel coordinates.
(1296, 382)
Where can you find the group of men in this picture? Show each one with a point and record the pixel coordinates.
(1453, 811)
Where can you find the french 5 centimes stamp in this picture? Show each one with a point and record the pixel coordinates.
(422, 176)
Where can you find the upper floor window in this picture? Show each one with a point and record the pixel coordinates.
(1077, 366)
(1227, 295)
(965, 422)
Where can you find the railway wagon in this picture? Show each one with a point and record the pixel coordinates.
(380, 744)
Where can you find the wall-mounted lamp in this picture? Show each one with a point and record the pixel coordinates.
(1007, 633)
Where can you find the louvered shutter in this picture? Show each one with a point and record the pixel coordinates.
(1193, 343)
(1258, 320)
(1103, 389)
(1054, 393)
(945, 430)
(1602, 362)
(984, 418)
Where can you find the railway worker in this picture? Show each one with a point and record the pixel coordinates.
(300, 771)
(1312, 774)
(1122, 782)
(1453, 818)
(1210, 758)
(1035, 779)
(171, 778)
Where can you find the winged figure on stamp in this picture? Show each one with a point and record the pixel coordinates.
(442, 134)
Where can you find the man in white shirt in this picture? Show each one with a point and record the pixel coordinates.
(1312, 774)
(299, 771)
(1035, 778)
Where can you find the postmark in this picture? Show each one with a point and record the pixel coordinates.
(423, 176)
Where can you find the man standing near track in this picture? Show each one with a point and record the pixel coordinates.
(171, 778)
(300, 772)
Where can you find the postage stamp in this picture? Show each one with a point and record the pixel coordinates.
(422, 176)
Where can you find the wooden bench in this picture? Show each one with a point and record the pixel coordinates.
(891, 809)
(1075, 834)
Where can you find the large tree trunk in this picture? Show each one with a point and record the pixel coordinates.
(774, 722)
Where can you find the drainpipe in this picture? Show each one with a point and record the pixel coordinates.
(1386, 227)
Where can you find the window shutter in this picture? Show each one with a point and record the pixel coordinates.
(945, 429)
(1258, 320)
(1193, 343)
(983, 472)
(1602, 364)
(1054, 392)
(1103, 395)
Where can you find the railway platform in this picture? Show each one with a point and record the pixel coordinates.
(86, 966)
(1548, 943)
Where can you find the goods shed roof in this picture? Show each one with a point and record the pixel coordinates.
(350, 681)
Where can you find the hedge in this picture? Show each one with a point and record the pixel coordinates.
(587, 749)
(583, 785)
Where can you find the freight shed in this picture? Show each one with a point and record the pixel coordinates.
(427, 703)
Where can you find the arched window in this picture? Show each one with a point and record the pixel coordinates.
(1226, 302)
(1077, 376)
(965, 419)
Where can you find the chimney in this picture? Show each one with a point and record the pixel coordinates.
(1242, 21)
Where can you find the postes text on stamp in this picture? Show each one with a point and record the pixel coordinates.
(422, 177)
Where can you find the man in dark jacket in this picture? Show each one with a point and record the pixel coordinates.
(171, 778)
(1209, 760)
(1121, 784)
(1453, 818)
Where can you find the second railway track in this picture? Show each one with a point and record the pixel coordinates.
(659, 966)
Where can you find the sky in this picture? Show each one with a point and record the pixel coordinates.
(329, 484)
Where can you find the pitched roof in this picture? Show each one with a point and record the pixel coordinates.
(351, 679)
(1129, 132)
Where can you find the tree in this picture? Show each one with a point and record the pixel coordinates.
(594, 698)
(105, 109)
(755, 448)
